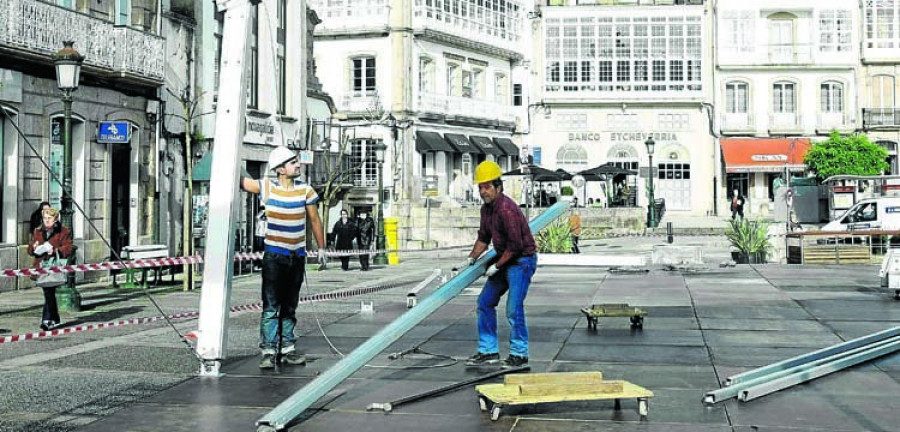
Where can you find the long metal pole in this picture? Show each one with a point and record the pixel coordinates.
(69, 298)
(652, 222)
(291, 408)
(380, 258)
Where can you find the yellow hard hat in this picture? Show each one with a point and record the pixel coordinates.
(487, 171)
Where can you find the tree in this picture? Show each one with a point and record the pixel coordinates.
(846, 155)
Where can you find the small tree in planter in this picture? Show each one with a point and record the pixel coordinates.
(751, 240)
(555, 238)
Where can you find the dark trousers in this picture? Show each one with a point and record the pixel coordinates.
(345, 263)
(575, 244)
(364, 262)
(282, 276)
(51, 310)
(737, 211)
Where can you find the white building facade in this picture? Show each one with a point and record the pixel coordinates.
(786, 75)
(434, 80)
(879, 77)
(614, 75)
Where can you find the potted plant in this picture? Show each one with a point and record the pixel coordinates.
(751, 240)
(555, 238)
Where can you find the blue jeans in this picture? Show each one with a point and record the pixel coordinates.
(282, 276)
(515, 278)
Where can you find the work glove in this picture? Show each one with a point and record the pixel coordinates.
(470, 261)
(491, 271)
(323, 260)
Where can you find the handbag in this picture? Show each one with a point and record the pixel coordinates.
(52, 279)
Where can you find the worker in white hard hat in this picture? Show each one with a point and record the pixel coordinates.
(290, 204)
(504, 225)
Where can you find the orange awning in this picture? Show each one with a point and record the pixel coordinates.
(764, 154)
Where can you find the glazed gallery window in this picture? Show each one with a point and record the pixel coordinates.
(882, 23)
(635, 54)
(736, 100)
(363, 76)
(831, 97)
(736, 28)
(496, 18)
(784, 99)
(834, 30)
(362, 155)
(426, 75)
(882, 91)
(123, 12)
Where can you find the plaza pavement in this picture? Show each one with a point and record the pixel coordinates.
(703, 325)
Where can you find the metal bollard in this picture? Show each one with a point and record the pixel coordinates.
(669, 232)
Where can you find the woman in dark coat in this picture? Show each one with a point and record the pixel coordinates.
(344, 232)
(37, 217)
(366, 233)
(48, 240)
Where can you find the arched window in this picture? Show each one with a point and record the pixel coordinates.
(784, 97)
(737, 97)
(831, 97)
(572, 157)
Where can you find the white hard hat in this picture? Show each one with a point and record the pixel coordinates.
(279, 156)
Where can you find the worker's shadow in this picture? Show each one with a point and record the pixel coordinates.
(106, 315)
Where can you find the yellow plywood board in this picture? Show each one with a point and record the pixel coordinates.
(613, 310)
(553, 389)
(511, 394)
(554, 378)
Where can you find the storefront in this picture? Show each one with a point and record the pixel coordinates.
(755, 167)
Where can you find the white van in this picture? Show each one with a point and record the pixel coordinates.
(869, 214)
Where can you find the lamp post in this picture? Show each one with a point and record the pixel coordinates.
(651, 216)
(380, 257)
(68, 70)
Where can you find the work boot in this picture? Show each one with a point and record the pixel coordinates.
(514, 361)
(293, 358)
(482, 359)
(267, 361)
(45, 325)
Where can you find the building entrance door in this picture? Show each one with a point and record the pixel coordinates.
(675, 185)
(120, 195)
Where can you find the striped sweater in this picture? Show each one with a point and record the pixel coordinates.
(286, 215)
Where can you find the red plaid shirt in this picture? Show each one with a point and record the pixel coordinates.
(504, 224)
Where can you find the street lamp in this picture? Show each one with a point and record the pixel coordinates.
(380, 257)
(651, 221)
(68, 71)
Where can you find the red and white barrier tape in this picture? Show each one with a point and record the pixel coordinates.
(314, 298)
(196, 259)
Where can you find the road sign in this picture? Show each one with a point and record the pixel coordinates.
(114, 133)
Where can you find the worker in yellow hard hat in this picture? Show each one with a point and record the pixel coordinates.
(504, 225)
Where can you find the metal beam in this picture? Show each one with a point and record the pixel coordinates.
(805, 358)
(813, 373)
(293, 406)
(734, 390)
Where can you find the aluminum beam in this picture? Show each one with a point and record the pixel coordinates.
(806, 358)
(292, 407)
(813, 373)
(734, 390)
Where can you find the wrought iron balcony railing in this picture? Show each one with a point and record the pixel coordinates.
(40, 28)
(881, 117)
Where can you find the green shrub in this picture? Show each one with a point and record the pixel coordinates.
(566, 191)
(555, 238)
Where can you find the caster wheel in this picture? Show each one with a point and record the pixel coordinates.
(482, 403)
(637, 321)
(495, 412)
(618, 405)
(643, 407)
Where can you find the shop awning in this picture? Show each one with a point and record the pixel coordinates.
(745, 155)
(487, 145)
(508, 147)
(462, 144)
(432, 142)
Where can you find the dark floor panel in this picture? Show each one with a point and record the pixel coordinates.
(753, 356)
(805, 408)
(335, 421)
(469, 331)
(636, 336)
(645, 354)
(179, 418)
(772, 339)
(232, 391)
(776, 313)
(762, 325)
(529, 424)
(849, 310)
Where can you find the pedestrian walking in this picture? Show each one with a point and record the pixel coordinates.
(290, 207)
(51, 240)
(37, 217)
(737, 204)
(575, 226)
(365, 228)
(344, 231)
(503, 225)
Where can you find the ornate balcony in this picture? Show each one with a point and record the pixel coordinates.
(462, 106)
(785, 123)
(826, 122)
(351, 16)
(479, 25)
(881, 118)
(38, 29)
